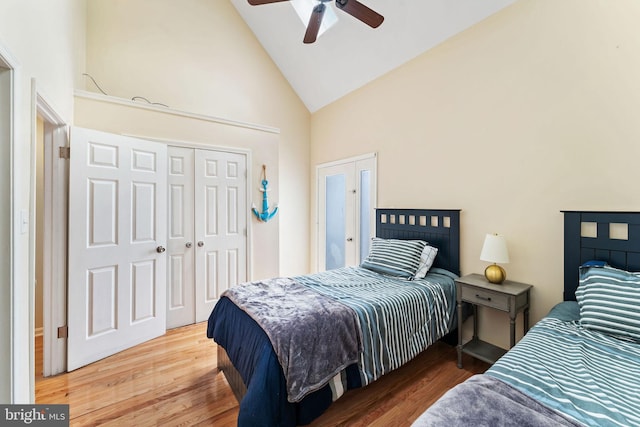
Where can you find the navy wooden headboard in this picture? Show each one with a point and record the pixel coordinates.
(439, 227)
(613, 237)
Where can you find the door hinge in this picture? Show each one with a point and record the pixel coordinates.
(65, 152)
(63, 332)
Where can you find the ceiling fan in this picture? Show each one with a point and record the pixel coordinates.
(352, 7)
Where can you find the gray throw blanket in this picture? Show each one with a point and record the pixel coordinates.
(484, 401)
(314, 336)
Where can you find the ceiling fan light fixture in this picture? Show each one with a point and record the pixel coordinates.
(304, 8)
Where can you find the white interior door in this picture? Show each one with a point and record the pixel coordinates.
(54, 240)
(117, 230)
(220, 225)
(346, 211)
(181, 245)
(337, 188)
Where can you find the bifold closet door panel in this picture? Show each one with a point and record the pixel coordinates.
(220, 225)
(181, 244)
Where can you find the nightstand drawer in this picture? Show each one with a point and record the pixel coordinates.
(486, 298)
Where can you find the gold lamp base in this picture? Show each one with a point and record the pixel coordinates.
(495, 274)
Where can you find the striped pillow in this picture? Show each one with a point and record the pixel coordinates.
(394, 257)
(609, 301)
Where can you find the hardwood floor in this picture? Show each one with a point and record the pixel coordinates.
(173, 380)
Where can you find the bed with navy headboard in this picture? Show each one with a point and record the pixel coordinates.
(250, 325)
(579, 365)
(613, 237)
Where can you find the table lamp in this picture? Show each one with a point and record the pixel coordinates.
(495, 250)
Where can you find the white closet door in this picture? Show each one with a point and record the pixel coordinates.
(336, 216)
(220, 225)
(117, 233)
(181, 245)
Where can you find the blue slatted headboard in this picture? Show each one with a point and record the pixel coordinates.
(613, 237)
(439, 227)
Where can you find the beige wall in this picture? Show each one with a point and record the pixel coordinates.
(199, 56)
(529, 112)
(45, 40)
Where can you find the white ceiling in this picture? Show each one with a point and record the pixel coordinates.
(351, 54)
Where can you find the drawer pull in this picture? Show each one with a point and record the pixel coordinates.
(483, 298)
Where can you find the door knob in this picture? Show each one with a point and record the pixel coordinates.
(160, 249)
(200, 244)
(188, 244)
(349, 239)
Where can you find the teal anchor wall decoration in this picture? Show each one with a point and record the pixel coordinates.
(265, 215)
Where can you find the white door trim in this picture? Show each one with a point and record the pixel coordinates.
(347, 160)
(54, 286)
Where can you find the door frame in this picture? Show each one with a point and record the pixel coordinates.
(17, 322)
(374, 183)
(56, 176)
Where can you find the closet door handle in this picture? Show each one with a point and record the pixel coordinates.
(200, 243)
(160, 249)
(188, 244)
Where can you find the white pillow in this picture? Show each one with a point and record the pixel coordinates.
(427, 257)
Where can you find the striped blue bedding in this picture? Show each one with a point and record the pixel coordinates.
(399, 318)
(588, 376)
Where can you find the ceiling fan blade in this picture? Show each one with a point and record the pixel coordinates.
(259, 2)
(314, 23)
(361, 12)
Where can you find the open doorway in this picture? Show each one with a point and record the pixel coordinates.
(39, 310)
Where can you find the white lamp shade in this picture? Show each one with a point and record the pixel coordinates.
(495, 249)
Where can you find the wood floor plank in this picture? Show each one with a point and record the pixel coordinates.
(173, 381)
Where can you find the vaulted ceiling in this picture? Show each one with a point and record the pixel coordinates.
(350, 54)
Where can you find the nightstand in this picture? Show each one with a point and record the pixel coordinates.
(511, 297)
